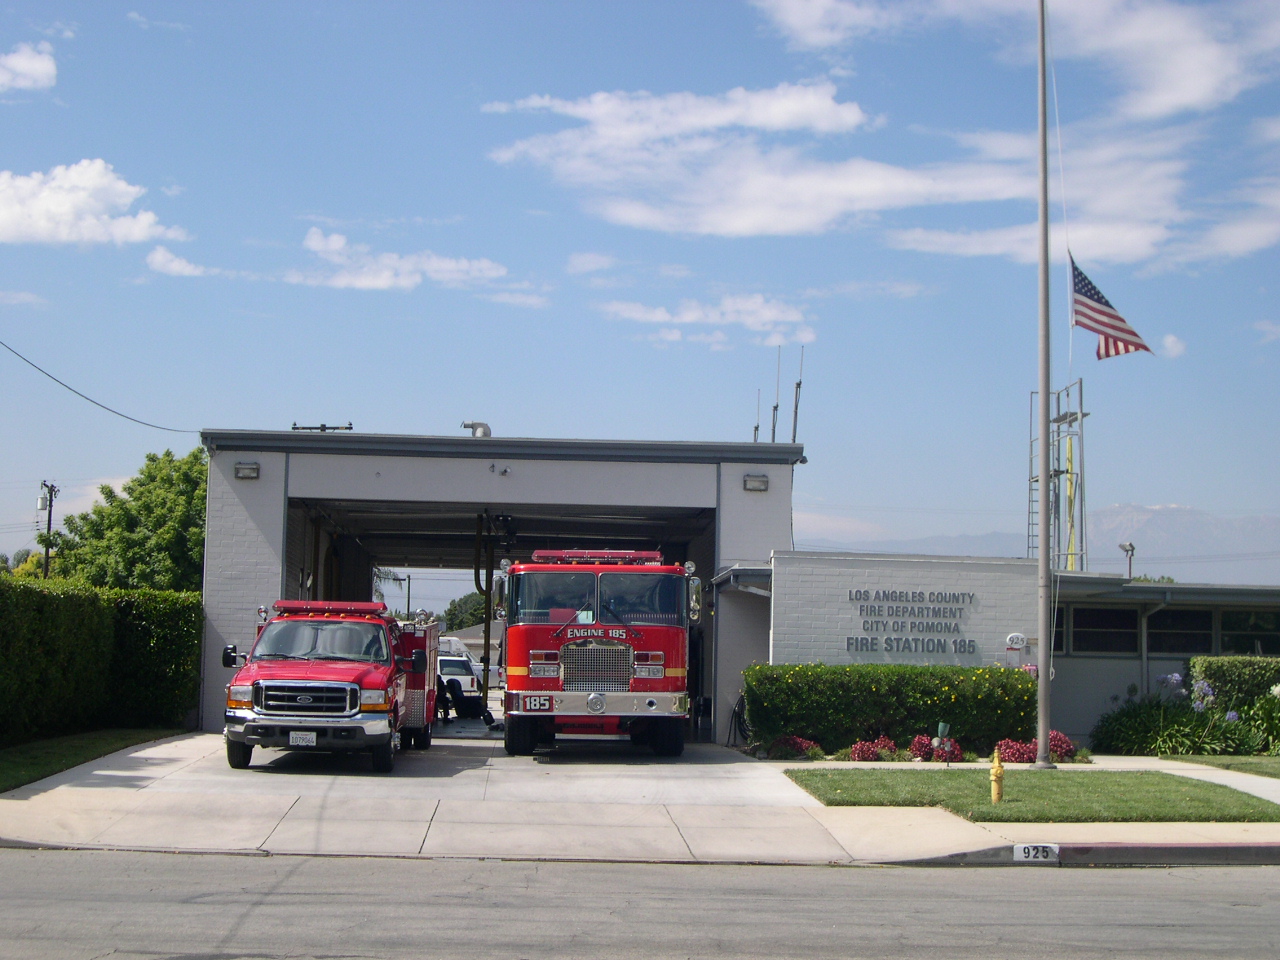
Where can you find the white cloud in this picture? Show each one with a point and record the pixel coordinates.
(825, 526)
(354, 266)
(867, 288)
(147, 24)
(19, 298)
(589, 262)
(773, 322)
(28, 67)
(1268, 129)
(674, 270)
(1269, 329)
(60, 29)
(1174, 346)
(161, 260)
(82, 203)
(173, 191)
(533, 301)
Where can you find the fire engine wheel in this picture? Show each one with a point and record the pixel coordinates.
(667, 738)
(384, 757)
(520, 736)
(239, 754)
(422, 739)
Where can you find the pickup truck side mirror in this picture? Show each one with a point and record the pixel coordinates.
(230, 658)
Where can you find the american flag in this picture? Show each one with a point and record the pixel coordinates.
(1091, 310)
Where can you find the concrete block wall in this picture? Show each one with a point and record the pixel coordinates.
(243, 559)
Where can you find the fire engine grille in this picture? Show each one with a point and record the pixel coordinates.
(306, 699)
(591, 668)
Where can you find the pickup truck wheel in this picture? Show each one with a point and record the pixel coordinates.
(668, 738)
(239, 754)
(384, 757)
(520, 736)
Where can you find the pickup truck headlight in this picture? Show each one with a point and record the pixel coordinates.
(240, 696)
(373, 699)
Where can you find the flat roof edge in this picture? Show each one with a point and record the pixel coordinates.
(516, 448)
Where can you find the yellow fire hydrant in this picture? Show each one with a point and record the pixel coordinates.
(997, 777)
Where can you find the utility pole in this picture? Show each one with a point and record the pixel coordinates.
(46, 504)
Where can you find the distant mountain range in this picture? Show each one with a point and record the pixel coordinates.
(1192, 546)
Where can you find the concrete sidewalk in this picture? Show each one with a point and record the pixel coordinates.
(466, 798)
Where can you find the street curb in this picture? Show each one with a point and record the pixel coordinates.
(1118, 855)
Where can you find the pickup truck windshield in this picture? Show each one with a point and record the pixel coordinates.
(642, 598)
(557, 598)
(326, 640)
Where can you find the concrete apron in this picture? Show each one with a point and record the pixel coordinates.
(467, 799)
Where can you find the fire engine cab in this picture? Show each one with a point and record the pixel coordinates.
(597, 647)
(332, 677)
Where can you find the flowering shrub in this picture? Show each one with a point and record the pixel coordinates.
(787, 748)
(886, 746)
(948, 751)
(1060, 748)
(921, 747)
(1202, 696)
(864, 750)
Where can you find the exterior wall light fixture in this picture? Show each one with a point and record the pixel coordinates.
(247, 471)
(755, 482)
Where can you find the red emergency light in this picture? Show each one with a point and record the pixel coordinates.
(365, 609)
(598, 556)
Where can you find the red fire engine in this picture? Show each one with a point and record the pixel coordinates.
(333, 677)
(597, 647)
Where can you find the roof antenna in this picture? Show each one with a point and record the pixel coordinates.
(755, 436)
(795, 408)
(777, 396)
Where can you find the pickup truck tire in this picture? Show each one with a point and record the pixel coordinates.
(384, 757)
(239, 754)
(667, 738)
(520, 736)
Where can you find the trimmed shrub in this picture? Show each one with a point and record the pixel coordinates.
(838, 705)
(788, 748)
(1060, 749)
(1151, 726)
(947, 751)
(75, 658)
(921, 747)
(1237, 681)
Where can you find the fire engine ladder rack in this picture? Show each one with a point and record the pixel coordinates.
(1067, 536)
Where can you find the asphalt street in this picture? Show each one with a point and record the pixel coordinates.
(88, 904)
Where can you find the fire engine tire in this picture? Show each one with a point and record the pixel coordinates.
(422, 738)
(668, 738)
(239, 754)
(384, 757)
(520, 736)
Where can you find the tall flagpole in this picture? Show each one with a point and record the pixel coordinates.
(1044, 554)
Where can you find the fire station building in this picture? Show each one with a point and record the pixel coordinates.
(296, 515)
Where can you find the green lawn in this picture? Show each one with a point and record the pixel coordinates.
(1043, 796)
(33, 761)
(1262, 766)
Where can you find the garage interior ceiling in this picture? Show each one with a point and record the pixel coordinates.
(397, 533)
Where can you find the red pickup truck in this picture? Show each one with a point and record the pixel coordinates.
(330, 676)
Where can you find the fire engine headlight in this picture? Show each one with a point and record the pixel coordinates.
(240, 695)
(544, 669)
(373, 699)
(656, 672)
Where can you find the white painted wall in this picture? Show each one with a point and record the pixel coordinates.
(753, 525)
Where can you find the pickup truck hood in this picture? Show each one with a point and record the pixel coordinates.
(367, 675)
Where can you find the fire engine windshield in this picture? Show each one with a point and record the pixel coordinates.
(553, 598)
(322, 640)
(642, 598)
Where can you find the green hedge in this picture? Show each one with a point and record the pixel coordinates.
(838, 705)
(1237, 681)
(75, 658)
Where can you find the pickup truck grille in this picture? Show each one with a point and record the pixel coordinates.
(305, 699)
(592, 668)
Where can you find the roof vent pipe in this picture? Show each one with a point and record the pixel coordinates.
(478, 428)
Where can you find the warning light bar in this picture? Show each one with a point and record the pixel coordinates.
(328, 606)
(598, 556)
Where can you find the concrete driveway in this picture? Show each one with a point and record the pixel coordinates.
(467, 798)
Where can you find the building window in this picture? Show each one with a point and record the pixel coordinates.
(1059, 631)
(1253, 633)
(1104, 630)
(1180, 631)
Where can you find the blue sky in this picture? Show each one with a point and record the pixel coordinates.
(601, 220)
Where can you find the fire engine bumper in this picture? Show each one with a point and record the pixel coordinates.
(555, 702)
(359, 732)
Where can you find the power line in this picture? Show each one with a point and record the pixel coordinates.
(153, 426)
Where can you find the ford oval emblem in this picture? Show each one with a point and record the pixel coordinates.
(304, 699)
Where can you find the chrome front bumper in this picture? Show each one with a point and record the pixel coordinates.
(352, 732)
(623, 704)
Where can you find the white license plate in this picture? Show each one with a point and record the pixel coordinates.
(302, 738)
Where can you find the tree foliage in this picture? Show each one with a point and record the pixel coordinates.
(150, 534)
(464, 612)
